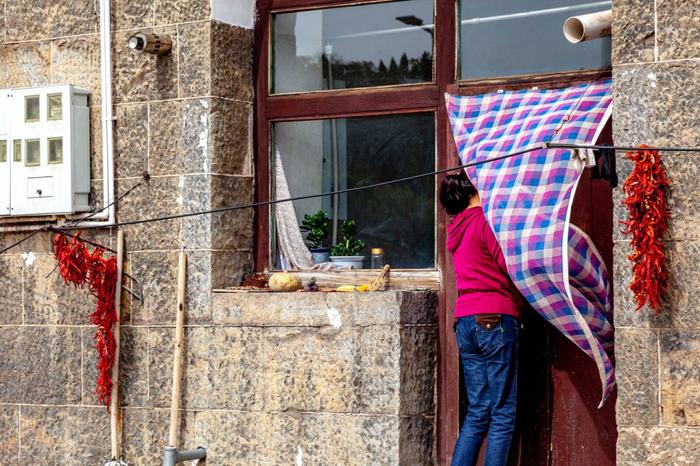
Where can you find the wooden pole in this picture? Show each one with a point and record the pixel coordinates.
(115, 415)
(177, 359)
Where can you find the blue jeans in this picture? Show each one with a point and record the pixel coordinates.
(490, 361)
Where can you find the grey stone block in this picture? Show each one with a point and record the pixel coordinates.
(49, 18)
(140, 77)
(64, 435)
(128, 14)
(9, 434)
(131, 140)
(195, 59)
(679, 29)
(637, 368)
(157, 274)
(679, 306)
(633, 31)
(680, 377)
(145, 434)
(11, 275)
(231, 137)
(220, 371)
(49, 300)
(179, 11)
(24, 65)
(76, 61)
(232, 52)
(157, 198)
(658, 446)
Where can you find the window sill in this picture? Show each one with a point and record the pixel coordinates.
(399, 279)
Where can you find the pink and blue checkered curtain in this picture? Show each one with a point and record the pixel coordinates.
(527, 201)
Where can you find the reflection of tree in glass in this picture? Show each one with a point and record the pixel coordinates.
(399, 218)
(368, 73)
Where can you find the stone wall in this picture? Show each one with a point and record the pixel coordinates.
(657, 88)
(186, 118)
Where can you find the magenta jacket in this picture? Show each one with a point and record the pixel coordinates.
(483, 284)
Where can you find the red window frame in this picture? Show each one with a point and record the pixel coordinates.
(424, 97)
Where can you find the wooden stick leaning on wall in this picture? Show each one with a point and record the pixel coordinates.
(115, 413)
(179, 342)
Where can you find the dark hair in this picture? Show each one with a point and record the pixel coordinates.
(455, 193)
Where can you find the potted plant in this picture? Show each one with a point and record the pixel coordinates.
(347, 250)
(316, 228)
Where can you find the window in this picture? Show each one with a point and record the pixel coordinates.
(3, 151)
(17, 150)
(32, 109)
(360, 151)
(55, 150)
(55, 106)
(351, 95)
(357, 46)
(32, 153)
(505, 38)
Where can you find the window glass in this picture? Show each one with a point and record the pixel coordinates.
(506, 38)
(357, 46)
(55, 107)
(17, 150)
(32, 153)
(359, 151)
(31, 108)
(55, 150)
(3, 151)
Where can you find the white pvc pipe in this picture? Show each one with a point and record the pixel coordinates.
(107, 216)
(587, 27)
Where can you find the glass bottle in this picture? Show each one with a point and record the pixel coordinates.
(377, 260)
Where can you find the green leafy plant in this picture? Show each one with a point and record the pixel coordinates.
(316, 228)
(348, 245)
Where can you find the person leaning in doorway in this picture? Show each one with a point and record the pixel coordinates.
(487, 326)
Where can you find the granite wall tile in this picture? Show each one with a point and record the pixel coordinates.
(633, 31)
(658, 446)
(680, 377)
(128, 14)
(25, 65)
(62, 435)
(637, 355)
(11, 276)
(181, 11)
(131, 140)
(76, 61)
(145, 433)
(232, 53)
(9, 434)
(678, 29)
(42, 19)
(140, 77)
(195, 71)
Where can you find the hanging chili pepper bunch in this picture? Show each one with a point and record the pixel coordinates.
(646, 202)
(78, 267)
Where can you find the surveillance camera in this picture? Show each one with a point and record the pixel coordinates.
(148, 42)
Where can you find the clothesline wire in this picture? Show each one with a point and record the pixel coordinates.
(90, 214)
(550, 145)
(543, 146)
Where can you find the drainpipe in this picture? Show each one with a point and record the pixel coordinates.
(172, 456)
(106, 217)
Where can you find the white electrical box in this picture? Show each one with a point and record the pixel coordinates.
(44, 151)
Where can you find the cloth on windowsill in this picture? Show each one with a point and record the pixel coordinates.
(294, 254)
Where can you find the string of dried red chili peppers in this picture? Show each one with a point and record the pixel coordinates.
(78, 267)
(646, 190)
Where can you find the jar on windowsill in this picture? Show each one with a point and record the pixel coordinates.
(377, 260)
